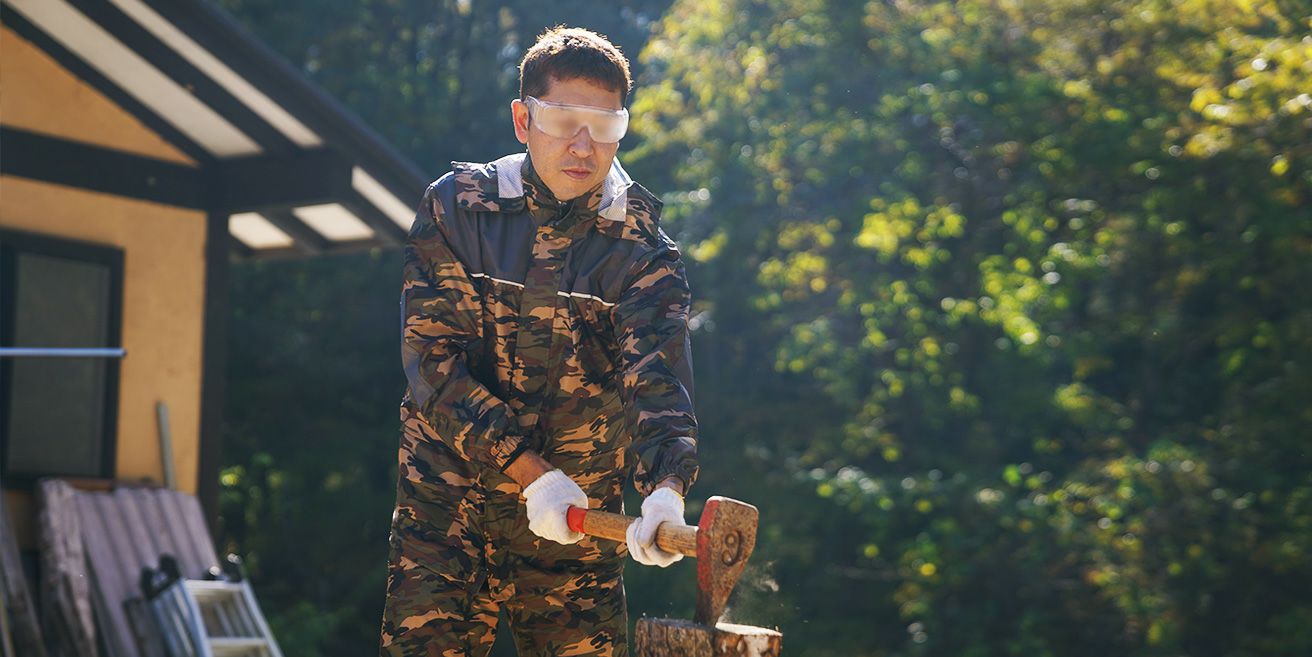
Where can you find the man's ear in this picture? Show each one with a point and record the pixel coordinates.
(519, 114)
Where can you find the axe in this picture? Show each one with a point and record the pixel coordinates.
(721, 543)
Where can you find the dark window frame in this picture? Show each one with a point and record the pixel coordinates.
(14, 242)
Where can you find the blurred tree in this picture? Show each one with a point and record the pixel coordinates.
(1049, 261)
(435, 78)
(310, 442)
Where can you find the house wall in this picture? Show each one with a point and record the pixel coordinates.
(164, 261)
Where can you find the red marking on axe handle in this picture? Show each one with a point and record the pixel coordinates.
(574, 518)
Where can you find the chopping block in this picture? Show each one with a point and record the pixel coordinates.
(673, 637)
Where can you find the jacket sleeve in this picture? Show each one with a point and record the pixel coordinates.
(651, 318)
(441, 322)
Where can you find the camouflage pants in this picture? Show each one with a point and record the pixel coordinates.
(461, 553)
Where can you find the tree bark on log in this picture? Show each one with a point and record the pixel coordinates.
(670, 637)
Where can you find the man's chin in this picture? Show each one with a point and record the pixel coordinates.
(573, 189)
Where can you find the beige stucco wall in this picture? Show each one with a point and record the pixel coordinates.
(163, 303)
(164, 265)
(39, 95)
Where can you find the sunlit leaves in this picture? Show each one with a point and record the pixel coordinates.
(1050, 248)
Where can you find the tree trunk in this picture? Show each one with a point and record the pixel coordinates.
(668, 637)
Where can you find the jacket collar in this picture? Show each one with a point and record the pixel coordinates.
(498, 186)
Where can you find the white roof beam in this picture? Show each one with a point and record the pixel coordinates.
(101, 51)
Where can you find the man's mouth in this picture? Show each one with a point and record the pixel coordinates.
(577, 174)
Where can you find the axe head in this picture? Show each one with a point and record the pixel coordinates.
(726, 535)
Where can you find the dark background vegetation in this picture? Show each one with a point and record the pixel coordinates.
(1002, 314)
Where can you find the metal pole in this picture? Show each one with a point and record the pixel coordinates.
(58, 352)
(165, 444)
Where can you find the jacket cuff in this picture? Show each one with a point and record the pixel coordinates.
(522, 445)
(505, 449)
(681, 463)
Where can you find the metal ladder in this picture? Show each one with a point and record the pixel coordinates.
(207, 618)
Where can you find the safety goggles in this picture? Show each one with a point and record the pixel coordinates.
(564, 121)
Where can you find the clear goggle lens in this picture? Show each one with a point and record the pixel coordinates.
(564, 121)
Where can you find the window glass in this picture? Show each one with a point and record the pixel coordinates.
(55, 412)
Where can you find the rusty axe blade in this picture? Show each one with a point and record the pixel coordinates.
(726, 536)
(721, 542)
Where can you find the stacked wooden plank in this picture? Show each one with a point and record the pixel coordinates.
(119, 532)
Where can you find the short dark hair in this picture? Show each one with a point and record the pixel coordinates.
(567, 53)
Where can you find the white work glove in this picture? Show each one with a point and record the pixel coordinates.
(548, 499)
(664, 505)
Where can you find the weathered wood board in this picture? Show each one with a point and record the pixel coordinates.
(66, 606)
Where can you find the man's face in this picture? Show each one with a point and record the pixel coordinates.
(574, 165)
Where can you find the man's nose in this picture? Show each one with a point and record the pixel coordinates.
(581, 144)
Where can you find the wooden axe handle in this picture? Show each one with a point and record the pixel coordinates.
(613, 526)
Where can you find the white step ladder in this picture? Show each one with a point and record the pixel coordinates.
(208, 618)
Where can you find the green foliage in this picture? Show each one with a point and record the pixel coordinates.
(1049, 261)
(310, 444)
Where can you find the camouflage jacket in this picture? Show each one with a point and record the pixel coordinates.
(559, 328)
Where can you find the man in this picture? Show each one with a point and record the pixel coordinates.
(545, 343)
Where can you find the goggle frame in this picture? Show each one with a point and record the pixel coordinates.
(599, 122)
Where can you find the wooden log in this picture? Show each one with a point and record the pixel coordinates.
(671, 637)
